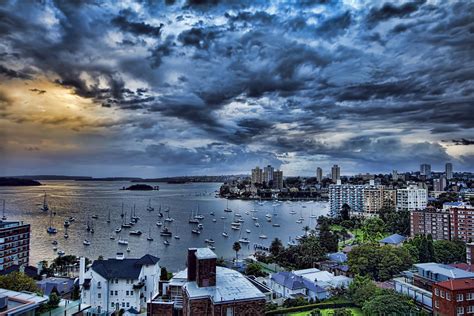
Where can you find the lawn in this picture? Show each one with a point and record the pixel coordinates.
(327, 312)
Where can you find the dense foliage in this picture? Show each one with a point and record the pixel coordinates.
(425, 249)
(381, 263)
(18, 281)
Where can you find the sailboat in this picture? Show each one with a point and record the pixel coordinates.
(243, 240)
(134, 218)
(4, 217)
(51, 229)
(159, 212)
(66, 235)
(193, 219)
(45, 206)
(168, 218)
(165, 232)
(86, 242)
(149, 207)
(122, 215)
(227, 209)
(126, 225)
(224, 233)
(198, 216)
(108, 218)
(149, 238)
(122, 241)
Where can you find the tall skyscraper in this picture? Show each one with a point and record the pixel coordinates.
(335, 173)
(449, 170)
(257, 175)
(268, 174)
(440, 184)
(319, 174)
(425, 170)
(278, 179)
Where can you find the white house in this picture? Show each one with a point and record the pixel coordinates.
(119, 283)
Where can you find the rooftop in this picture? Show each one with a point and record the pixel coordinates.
(205, 253)
(338, 257)
(122, 268)
(463, 284)
(230, 286)
(394, 239)
(446, 270)
(21, 302)
(9, 224)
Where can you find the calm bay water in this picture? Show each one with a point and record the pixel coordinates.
(84, 199)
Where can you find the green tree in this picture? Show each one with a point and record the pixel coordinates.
(306, 229)
(447, 251)
(327, 238)
(236, 247)
(345, 212)
(54, 300)
(389, 303)
(18, 281)
(361, 290)
(276, 247)
(255, 269)
(164, 274)
(342, 312)
(373, 229)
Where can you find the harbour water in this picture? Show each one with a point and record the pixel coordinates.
(85, 199)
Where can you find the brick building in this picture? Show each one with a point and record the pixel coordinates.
(453, 297)
(462, 222)
(430, 221)
(205, 289)
(14, 244)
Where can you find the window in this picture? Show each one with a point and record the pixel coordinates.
(437, 304)
(470, 309)
(123, 304)
(460, 310)
(442, 293)
(112, 304)
(128, 304)
(126, 293)
(470, 296)
(229, 311)
(437, 292)
(99, 295)
(459, 297)
(116, 292)
(448, 296)
(98, 284)
(111, 293)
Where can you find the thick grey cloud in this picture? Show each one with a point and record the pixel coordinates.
(237, 83)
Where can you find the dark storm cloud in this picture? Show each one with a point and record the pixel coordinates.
(137, 28)
(389, 11)
(463, 141)
(285, 80)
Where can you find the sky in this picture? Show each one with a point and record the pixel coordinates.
(162, 88)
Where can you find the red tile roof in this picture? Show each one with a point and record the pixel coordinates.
(463, 266)
(459, 284)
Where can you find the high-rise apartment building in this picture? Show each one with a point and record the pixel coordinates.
(319, 174)
(378, 197)
(448, 170)
(14, 244)
(268, 174)
(412, 198)
(335, 173)
(425, 170)
(278, 179)
(440, 184)
(340, 194)
(431, 221)
(257, 175)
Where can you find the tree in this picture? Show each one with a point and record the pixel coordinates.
(276, 247)
(54, 300)
(342, 312)
(397, 222)
(236, 247)
(345, 212)
(18, 281)
(255, 269)
(373, 229)
(424, 248)
(361, 290)
(447, 251)
(306, 229)
(164, 275)
(327, 238)
(389, 303)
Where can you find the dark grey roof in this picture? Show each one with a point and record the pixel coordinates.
(122, 268)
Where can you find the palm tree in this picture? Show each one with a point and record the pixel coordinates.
(236, 247)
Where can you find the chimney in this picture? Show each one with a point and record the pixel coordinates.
(82, 270)
(192, 264)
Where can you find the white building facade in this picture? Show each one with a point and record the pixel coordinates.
(412, 198)
(115, 284)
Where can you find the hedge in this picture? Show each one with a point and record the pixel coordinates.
(309, 307)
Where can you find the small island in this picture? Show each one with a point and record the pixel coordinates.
(16, 182)
(141, 187)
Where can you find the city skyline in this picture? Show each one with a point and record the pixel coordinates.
(176, 88)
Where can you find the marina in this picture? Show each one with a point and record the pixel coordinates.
(96, 218)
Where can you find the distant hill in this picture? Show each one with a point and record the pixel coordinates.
(141, 187)
(16, 182)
